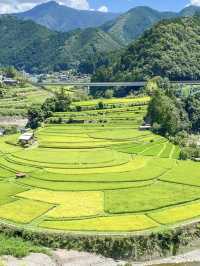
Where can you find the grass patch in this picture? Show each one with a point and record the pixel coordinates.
(7, 190)
(71, 204)
(151, 197)
(177, 214)
(17, 247)
(185, 173)
(23, 211)
(104, 224)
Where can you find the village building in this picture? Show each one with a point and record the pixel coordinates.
(145, 127)
(26, 138)
(2, 132)
(9, 81)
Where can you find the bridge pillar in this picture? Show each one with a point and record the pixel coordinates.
(88, 89)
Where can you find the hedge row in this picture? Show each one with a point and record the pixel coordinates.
(134, 247)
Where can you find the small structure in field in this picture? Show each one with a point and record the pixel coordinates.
(145, 127)
(2, 132)
(26, 138)
(20, 175)
(9, 81)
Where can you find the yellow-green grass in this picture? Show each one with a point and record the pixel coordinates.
(81, 186)
(168, 150)
(176, 152)
(155, 196)
(104, 224)
(177, 214)
(83, 145)
(141, 174)
(62, 158)
(135, 163)
(70, 204)
(140, 100)
(81, 174)
(78, 141)
(6, 148)
(23, 99)
(186, 172)
(154, 150)
(134, 111)
(23, 211)
(119, 134)
(140, 144)
(15, 167)
(4, 173)
(7, 190)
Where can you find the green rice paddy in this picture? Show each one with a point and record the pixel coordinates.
(98, 177)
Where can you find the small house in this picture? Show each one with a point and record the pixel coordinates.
(26, 138)
(9, 81)
(145, 127)
(2, 132)
(20, 175)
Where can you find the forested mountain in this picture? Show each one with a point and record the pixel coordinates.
(44, 50)
(170, 49)
(132, 24)
(124, 28)
(189, 11)
(62, 18)
(161, 50)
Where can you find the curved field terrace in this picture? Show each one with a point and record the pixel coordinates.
(98, 177)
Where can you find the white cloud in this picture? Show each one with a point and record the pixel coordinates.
(12, 6)
(103, 9)
(195, 2)
(78, 4)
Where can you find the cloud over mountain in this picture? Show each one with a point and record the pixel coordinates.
(12, 6)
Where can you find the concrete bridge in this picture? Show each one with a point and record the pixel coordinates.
(113, 84)
(96, 84)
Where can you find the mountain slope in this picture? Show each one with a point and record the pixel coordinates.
(62, 18)
(45, 50)
(170, 49)
(132, 24)
(189, 11)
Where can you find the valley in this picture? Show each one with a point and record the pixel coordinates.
(99, 133)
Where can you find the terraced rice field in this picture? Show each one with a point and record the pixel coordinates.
(17, 100)
(98, 177)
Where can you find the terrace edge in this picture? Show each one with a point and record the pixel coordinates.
(139, 247)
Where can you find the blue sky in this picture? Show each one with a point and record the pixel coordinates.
(123, 5)
(118, 6)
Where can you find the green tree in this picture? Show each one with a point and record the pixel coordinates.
(193, 109)
(35, 117)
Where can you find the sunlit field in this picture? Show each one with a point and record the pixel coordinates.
(100, 175)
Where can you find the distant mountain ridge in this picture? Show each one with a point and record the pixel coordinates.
(169, 49)
(130, 25)
(122, 28)
(45, 50)
(62, 18)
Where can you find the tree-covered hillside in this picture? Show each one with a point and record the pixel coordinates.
(63, 18)
(130, 25)
(27, 45)
(170, 49)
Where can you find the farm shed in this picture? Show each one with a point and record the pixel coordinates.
(2, 132)
(145, 127)
(26, 138)
(9, 81)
